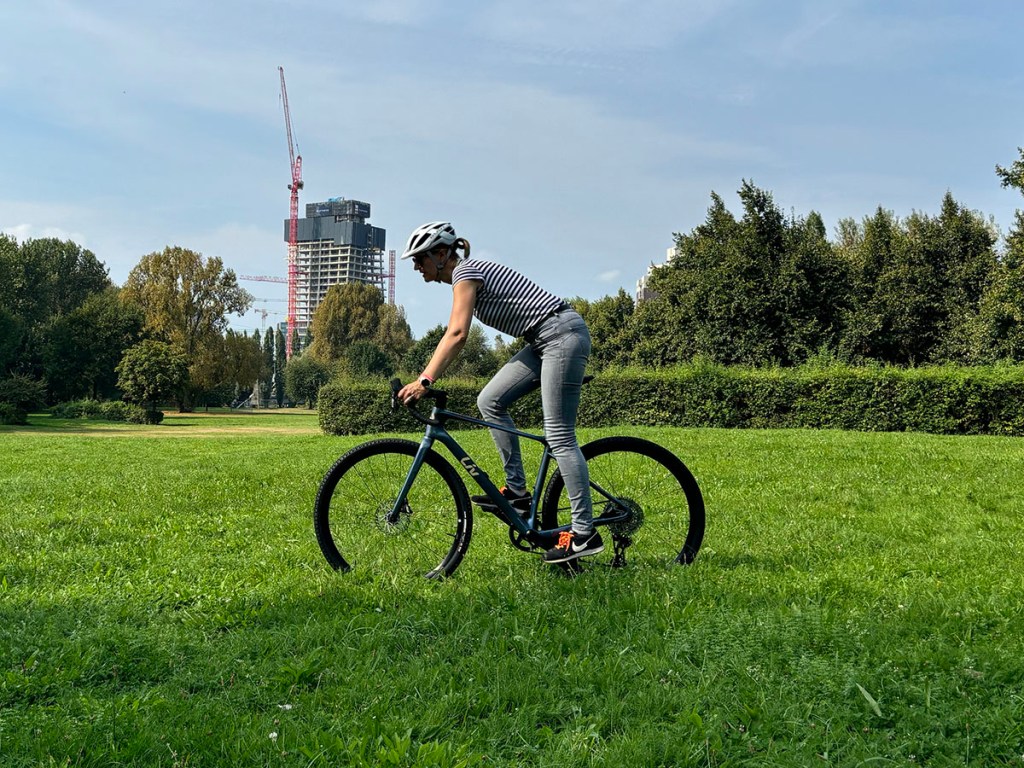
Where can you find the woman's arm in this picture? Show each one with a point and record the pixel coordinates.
(454, 339)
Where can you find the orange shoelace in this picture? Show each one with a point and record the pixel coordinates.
(564, 539)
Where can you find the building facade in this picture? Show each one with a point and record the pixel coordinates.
(335, 245)
(643, 291)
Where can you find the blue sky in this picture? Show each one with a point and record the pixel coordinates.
(567, 138)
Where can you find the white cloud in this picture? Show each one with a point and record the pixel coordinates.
(25, 221)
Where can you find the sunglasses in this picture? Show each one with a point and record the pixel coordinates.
(419, 257)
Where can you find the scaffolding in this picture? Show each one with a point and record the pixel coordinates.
(324, 263)
(335, 246)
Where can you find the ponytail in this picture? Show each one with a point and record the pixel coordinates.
(464, 245)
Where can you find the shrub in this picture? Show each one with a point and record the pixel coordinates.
(113, 410)
(304, 375)
(22, 392)
(940, 399)
(12, 414)
(145, 416)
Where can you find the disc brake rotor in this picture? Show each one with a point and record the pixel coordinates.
(386, 520)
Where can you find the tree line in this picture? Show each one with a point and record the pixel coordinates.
(761, 288)
(67, 332)
(769, 289)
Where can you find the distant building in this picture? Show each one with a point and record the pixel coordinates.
(335, 245)
(643, 291)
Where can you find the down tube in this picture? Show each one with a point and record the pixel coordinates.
(467, 463)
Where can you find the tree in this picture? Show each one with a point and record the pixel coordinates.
(997, 332)
(150, 372)
(475, 359)
(393, 334)
(915, 285)
(20, 394)
(12, 332)
(280, 359)
(755, 291)
(83, 348)
(243, 360)
(1014, 175)
(267, 368)
(40, 281)
(303, 377)
(364, 358)
(186, 300)
(419, 353)
(9, 266)
(348, 313)
(53, 277)
(208, 375)
(962, 250)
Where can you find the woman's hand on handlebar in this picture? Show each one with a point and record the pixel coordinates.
(411, 393)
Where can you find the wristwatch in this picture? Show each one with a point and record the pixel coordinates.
(426, 381)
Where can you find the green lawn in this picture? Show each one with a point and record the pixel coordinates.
(163, 602)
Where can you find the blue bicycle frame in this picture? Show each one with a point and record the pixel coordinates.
(436, 432)
(543, 538)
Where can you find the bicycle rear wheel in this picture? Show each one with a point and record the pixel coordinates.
(359, 529)
(646, 485)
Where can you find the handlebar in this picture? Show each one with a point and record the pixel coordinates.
(440, 397)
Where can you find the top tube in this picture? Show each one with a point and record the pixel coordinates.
(441, 415)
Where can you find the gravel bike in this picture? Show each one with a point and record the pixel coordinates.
(391, 504)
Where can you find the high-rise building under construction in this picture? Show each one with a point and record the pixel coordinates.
(335, 245)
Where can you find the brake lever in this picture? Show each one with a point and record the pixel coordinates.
(396, 385)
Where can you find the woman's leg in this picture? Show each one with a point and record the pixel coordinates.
(517, 377)
(564, 360)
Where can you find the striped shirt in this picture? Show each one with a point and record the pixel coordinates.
(507, 300)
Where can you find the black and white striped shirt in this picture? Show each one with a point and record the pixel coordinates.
(508, 300)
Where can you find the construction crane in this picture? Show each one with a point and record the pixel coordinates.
(263, 312)
(293, 221)
(263, 278)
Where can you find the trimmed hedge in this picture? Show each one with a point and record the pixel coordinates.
(112, 410)
(940, 399)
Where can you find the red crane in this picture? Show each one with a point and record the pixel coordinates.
(293, 222)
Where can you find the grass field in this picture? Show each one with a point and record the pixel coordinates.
(163, 602)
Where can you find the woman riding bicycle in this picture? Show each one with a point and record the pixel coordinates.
(558, 346)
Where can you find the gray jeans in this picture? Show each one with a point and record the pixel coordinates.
(556, 355)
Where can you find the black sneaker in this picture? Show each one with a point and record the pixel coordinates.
(519, 502)
(572, 545)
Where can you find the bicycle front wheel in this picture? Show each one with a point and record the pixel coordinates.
(360, 528)
(653, 499)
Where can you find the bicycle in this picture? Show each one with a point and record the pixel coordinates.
(393, 503)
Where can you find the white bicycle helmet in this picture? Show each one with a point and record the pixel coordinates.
(429, 236)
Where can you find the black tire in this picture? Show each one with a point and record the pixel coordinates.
(666, 508)
(357, 494)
